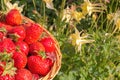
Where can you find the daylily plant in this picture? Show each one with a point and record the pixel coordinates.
(70, 14)
(89, 8)
(115, 18)
(78, 40)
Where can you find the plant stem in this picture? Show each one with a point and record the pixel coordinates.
(34, 3)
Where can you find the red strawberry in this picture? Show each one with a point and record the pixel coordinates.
(7, 45)
(2, 35)
(20, 59)
(35, 76)
(50, 62)
(36, 48)
(6, 26)
(17, 33)
(23, 74)
(48, 43)
(1, 24)
(13, 17)
(7, 77)
(26, 25)
(33, 33)
(41, 65)
(22, 46)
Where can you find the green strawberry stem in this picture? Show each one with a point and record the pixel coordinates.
(18, 49)
(14, 37)
(3, 29)
(5, 56)
(41, 53)
(9, 66)
(9, 69)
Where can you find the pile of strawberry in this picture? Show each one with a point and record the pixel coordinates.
(25, 53)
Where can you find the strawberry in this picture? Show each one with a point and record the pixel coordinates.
(17, 33)
(20, 59)
(35, 76)
(1, 24)
(41, 65)
(23, 74)
(50, 62)
(26, 25)
(1, 36)
(13, 17)
(22, 46)
(36, 48)
(7, 77)
(6, 26)
(7, 45)
(48, 43)
(33, 33)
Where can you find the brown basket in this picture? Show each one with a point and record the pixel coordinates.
(57, 64)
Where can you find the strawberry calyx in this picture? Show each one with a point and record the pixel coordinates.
(3, 32)
(14, 37)
(10, 6)
(42, 53)
(4, 56)
(3, 29)
(18, 49)
(8, 68)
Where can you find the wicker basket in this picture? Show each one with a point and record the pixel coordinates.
(57, 64)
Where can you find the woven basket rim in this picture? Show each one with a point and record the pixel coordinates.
(57, 64)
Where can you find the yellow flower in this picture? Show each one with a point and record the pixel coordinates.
(115, 18)
(110, 16)
(77, 15)
(70, 13)
(49, 4)
(118, 24)
(88, 8)
(77, 40)
(66, 14)
(94, 17)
